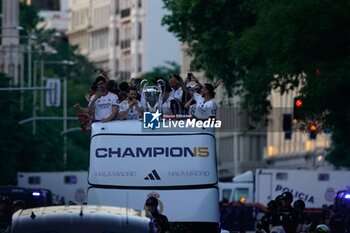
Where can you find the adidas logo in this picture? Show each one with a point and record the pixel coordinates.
(153, 176)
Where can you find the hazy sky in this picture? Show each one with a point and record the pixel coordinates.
(161, 45)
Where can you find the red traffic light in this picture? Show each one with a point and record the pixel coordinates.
(297, 108)
(298, 103)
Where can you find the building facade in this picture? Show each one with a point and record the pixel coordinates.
(111, 33)
(124, 37)
(54, 12)
(11, 52)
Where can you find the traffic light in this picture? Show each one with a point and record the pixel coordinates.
(312, 128)
(297, 108)
(287, 126)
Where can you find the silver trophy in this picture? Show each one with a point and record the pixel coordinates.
(151, 96)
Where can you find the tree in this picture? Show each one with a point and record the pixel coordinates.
(162, 71)
(258, 46)
(208, 26)
(79, 78)
(28, 17)
(20, 149)
(292, 38)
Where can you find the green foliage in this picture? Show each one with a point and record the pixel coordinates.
(18, 147)
(247, 42)
(161, 72)
(28, 17)
(21, 150)
(208, 26)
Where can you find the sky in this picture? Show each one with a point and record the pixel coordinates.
(162, 45)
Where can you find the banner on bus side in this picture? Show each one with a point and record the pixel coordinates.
(153, 160)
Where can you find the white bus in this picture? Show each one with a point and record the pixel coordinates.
(129, 163)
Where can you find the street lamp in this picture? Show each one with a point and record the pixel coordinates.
(52, 51)
(63, 62)
(66, 62)
(30, 38)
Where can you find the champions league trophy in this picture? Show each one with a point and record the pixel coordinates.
(151, 96)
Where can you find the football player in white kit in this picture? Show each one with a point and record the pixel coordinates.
(205, 106)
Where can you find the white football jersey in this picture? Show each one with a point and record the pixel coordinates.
(133, 113)
(177, 94)
(103, 105)
(204, 109)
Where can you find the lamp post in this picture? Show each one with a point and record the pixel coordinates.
(42, 78)
(66, 62)
(65, 98)
(30, 37)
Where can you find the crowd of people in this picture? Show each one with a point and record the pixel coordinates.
(108, 102)
(282, 217)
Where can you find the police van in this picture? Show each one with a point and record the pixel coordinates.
(245, 198)
(316, 188)
(130, 162)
